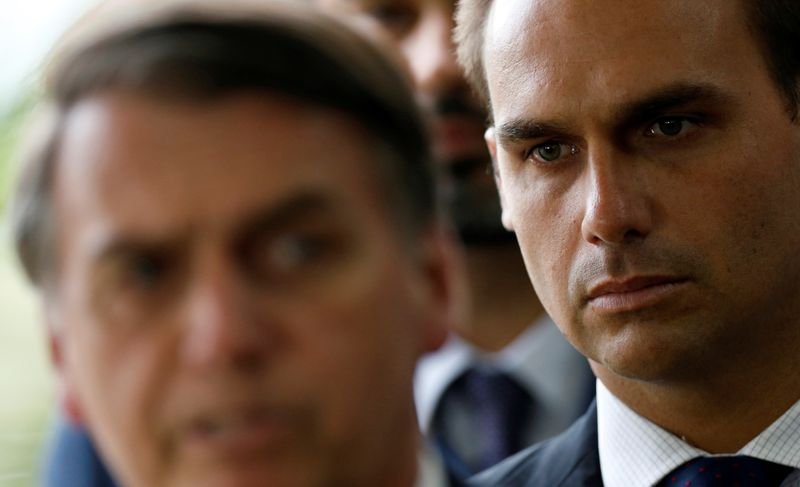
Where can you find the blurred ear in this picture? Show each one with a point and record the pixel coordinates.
(448, 293)
(65, 390)
(491, 144)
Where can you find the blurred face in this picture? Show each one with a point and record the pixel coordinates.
(651, 172)
(422, 31)
(234, 304)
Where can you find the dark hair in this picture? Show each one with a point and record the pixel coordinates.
(775, 23)
(200, 53)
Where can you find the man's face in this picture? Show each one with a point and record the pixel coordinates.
(651, 172)
(422, 32)
(234, 304)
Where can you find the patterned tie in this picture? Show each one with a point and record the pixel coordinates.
(736, 471)
(499, 411)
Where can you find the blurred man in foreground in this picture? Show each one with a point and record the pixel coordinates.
(233, 225)
(656, 145)
(506, 378)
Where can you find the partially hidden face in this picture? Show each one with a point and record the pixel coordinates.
(234, 304)
(650, 168)
(421, 30)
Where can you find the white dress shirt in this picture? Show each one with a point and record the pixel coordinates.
(540, 359)
(431, 471)
(634, 452)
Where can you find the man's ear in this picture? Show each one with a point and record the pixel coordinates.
(66, 394)
(491, 144)
(448, 292)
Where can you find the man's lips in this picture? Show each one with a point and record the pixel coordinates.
(236, 433)
(634, 293)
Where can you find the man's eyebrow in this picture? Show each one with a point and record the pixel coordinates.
(270, 218)
(521, 130)
(289, 212)
(361, 3)
(628, 115)
(674, 96)
(123, 246)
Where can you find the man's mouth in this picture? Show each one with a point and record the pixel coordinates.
(236, 433)
(634, 293)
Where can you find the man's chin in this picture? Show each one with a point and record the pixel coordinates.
(249, 476)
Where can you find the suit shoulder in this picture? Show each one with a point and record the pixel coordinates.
(515, 471)
(569, 459)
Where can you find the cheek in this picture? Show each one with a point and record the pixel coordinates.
(547, 223)
(121, 380)
(752, 222)
(356, 351)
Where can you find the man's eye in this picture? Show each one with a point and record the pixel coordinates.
(145, 271)
(395, 18)
(670, 127)
(550, 152)
(288, 255)
(291, 252)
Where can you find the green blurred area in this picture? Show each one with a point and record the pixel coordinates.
(25, 375)
(11, 128)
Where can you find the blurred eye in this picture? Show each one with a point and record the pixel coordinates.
(550, 152)
(134, 284)
(289, 255)
(145, 271)
(670, 127)
(293, 251)
(397, 19)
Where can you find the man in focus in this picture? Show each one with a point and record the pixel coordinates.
(656, 146)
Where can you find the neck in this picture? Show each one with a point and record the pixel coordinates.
(503, 301)
(723, 410)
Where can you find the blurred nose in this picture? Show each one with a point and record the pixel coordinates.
(431, 52)
(224, 329)
(618, 209)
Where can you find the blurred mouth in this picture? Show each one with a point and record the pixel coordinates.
(235, 434)
(635, 293)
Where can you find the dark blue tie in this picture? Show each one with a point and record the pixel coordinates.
(736, 471)
(499, 412)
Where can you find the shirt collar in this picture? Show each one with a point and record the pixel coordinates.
(431, 471)
(634, 452)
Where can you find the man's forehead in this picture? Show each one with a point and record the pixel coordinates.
(594, 18)
(148, 164)
(593, 30)
(622, 48)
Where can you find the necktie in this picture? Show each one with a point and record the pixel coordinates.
(497, 410)
(736, 471)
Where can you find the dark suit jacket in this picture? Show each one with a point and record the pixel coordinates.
(568, 460)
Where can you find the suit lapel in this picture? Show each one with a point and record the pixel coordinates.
(570, 459)
(574, 455)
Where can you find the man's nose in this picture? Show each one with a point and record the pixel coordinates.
(225, 327)
(618, 206)
(431, 53)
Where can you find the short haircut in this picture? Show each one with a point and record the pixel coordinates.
(203, 51)
(775, 23)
